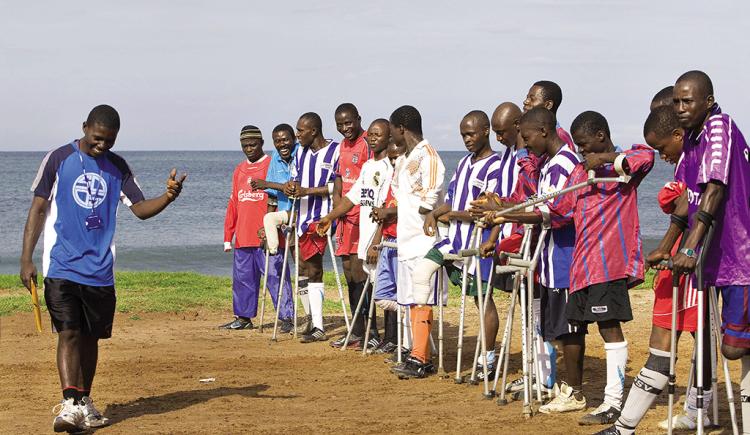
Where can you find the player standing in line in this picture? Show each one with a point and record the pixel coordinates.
(76, 194)
(417, 181)
(353, 153)
(313, 174)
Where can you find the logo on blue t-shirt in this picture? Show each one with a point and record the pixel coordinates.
(89, 190)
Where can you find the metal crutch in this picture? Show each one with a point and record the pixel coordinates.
(287, 231)
(338, 281)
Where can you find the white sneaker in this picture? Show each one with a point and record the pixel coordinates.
(92, 416)
(684, 422)
(565, 401)
(69, 417)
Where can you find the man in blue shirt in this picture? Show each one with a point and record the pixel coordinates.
(76, 193)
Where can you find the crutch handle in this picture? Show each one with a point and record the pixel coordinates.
(468, 252)
(666, 263)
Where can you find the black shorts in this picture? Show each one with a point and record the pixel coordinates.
(554, 302)
(600, 302)
(84, 308)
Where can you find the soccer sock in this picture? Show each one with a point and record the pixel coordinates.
(72, 393)
(617, 359)
(421, 319)
(406, 326)
(691, 408)
(391, 326)
(303, 294)
(745, 394)
(355, 292)
(545, 350)
(315, 293)
(649, 383)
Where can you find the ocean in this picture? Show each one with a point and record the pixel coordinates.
(188, 235)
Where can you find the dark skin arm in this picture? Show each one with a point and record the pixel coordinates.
(487, 248)
(521, 217)
(663, 251)
(263, 184)
(711, 200)
(593, 161)
(431, 217)
(341, 208)
(151, 207)
(31, 232)
(381, 215)
(294, 190)
(372, 250)
(337, 189)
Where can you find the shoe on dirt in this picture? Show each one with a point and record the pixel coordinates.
(385, 347)
(372, 344)
(92, 417)
(516, 385)
(405, 353)
(69, 417)
(315, 335)
(354, 342)
(612, 430)
(306, 327)
(684, 422)
(565, 401)
(412, 368)
(287, 327)
(547, 392)
(490, 372)
(237, 324)
(604, 414)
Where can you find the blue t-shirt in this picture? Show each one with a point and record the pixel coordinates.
(278, 172)
(74, 182)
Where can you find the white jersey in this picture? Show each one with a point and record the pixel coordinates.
(314, 169)
(370, 190)
(507, 181)
(417, 182)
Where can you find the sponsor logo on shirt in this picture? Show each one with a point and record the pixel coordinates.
(355, 158)
(599, 309)
(250, 195)
(693, 196)
(367, 197)
(479, 184)
(91, 194)
(326, 166)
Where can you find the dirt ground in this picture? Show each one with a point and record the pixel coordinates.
(148, 382)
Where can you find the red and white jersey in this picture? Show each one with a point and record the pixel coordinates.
(417, 182)
(246, 206)
(352, 157)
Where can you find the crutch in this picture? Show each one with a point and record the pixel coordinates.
(370, 310)
(673, 351)
(296, 277)
(701, 320)
(530, 280)
(356, 313)
(288, 229)
(462, 312)
(504, 357)
(338, 281)
(263, 298)
(714, 370)
(439, 297)
(716, 330)
(400, 332)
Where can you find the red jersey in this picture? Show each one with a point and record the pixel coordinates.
(608, 236)
(246, 206)
(389, 227)
(352, 156)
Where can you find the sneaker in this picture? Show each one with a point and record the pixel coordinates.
(385, 347)
(516, 385)
(286, 326)
(354, 342)
(405, 353)
(372, 344)
(92, 416)
(306, 327)
(604, 414)
(412, 368)
(69, 417)
(547, 392)
(237, 324)
(490, 372)
(684, 422)
(612, 430)
(315, 335)
(564, 402)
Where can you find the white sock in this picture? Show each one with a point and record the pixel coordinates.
(315, 291)
(745, 394)
(690, 403)
(617, 359)
(406, 329)
(544, 351)
(304, 296)
(646, 387)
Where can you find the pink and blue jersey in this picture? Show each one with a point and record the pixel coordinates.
(557, 247)
(718, 152)
(468, 182)
(314, 169)
(78, 187)
(607, 230)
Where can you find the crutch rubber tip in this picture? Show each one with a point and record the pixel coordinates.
(474, 381)
(489, 396)
(502, 402)
(458, 380)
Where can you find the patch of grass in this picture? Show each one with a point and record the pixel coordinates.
(139, 292)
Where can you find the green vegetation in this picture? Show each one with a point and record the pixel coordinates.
(139, 292)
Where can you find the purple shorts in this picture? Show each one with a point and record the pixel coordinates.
(385, 276)
(735, 316)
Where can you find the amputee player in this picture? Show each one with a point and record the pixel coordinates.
(477, 172)
(417, 181)
(244, 218)
(368, 191)
(607, 257)
(312, 180)
(353, 153)
(76, 193)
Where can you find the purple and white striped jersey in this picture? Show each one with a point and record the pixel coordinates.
(314, 169)
(557, 250)
(467, 183)
(508, 177)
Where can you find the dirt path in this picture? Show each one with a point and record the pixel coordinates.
(148, 375)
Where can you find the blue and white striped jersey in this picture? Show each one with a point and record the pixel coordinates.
(557, 250)
(314, 169)
(508, 175)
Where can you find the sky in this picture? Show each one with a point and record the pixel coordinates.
(187, 75)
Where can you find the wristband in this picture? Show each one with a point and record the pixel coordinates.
(705, 217)
(227, 246)
(679, 221)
